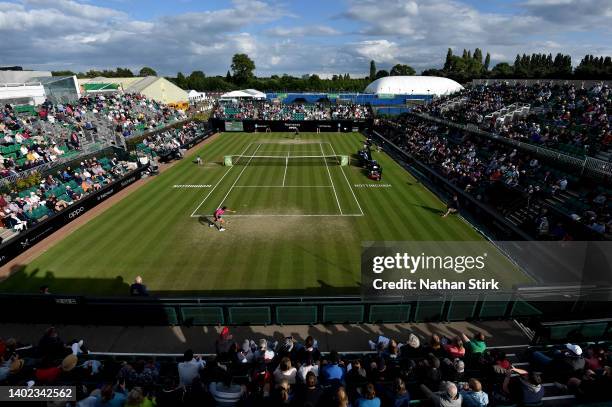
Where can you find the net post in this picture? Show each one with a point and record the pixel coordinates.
(344, 160)
(227, 161)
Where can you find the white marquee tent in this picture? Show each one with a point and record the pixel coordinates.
(414, 85)
(244, 94)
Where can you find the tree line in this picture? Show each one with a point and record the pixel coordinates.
(107, 73)
(470, 65)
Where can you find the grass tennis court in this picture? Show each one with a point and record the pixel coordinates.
(299, 223)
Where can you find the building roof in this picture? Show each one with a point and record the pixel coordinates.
(413, 85)
(142, 84)
(155, 87)
(97, 87)
(245, 93)
(22, 76)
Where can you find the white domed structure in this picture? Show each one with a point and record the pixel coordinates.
(414, 85)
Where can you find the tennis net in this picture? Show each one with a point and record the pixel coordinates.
(286, 160)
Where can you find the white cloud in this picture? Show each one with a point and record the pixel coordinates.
(71, 34)
(574, 14)
(315, 30)
(383, 51)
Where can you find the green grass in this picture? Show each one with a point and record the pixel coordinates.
(160, 231)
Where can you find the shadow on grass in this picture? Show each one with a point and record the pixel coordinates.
(78, 301)
(28, 282)
(21, 280)
(431, 209)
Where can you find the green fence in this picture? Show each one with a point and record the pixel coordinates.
(300, 311)
(457, 308)
(296, 314)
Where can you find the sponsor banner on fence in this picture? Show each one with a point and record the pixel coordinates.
(301, 125)
(30, 237)
(543, 270)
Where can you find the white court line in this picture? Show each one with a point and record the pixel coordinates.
(347, 181)
(218, 182)
(283, 186)
(330, 178)
(239, 175)
(286, 165)
(265, 215)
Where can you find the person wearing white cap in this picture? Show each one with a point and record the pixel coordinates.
(564, 362)
(447, 397)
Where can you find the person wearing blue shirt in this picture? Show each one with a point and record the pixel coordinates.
(333, 373)
(399, 396)
(369, 398)
(473, 396)
(110, 398)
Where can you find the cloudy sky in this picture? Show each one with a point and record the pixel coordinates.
(292, 36)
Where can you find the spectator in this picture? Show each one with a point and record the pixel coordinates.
(455, 349)
(530, 390)
(332, 373)
(171, 394)
(356, 377)
(473, 396)
(263, 354)
(311, 394)
(309, 348)
(399, 397)
(452, 207)
(369, 398)
(282, 395)
(309, 366)
(476, 345)
(285, 371)
(51, 346)
(223, 344)
(341, 398)
(261, 382)
(190, 367)
(435, 346)
(448, 397)
(412, 349)
(136, 398)
(112, 397)
(138, 288)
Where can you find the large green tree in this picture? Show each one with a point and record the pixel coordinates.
(402, 70)
(381, 74)
(181, 81)
(196, 80)
(242, 68)
(62, 73)
(146, 71)
(502, 70)
(124, 73)
(372, 70)
(449, 60)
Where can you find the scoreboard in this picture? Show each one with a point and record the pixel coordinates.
(233, 126)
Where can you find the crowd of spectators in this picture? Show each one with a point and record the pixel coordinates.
(31, 138)
(50, 132)
(451, 372)
(266, 110)
(560, 114)
(20, 210)
(478, 166)
(171, 141)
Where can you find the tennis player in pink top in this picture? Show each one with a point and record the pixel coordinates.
(218, 217)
